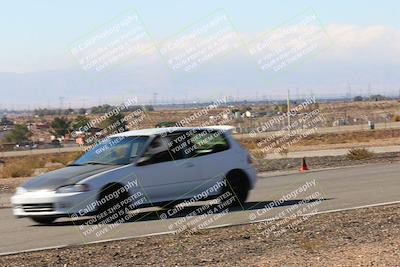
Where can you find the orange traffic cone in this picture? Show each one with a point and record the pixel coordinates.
(304, 166)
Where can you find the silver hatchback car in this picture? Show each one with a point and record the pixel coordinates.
(159, 166)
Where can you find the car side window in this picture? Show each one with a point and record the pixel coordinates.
(157, 151)
(165, 148)
(208, 142)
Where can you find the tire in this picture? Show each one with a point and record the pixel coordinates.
(113, 209)
(169, 205)
(238, 185)
(43, 220)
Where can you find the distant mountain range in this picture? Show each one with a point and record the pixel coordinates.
(236, 77)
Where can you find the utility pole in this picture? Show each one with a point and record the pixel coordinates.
(369, 91)
(349, 91)
(61, 98)
(288, 108)
(155, 98)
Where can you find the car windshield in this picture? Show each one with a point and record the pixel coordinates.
(113, 151)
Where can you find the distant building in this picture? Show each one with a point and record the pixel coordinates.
(6, 124)
(82, 138)
(226, 116)
(340, 122)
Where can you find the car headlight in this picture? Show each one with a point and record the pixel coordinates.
(20, 190)
(74, 188)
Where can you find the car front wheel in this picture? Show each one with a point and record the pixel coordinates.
(43, 220)
(114, 205)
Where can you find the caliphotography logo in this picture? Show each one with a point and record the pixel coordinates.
(201, 42)
(112, 43)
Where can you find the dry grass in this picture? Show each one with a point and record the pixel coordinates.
(257, 154)
(25, 166)
(396, 117)
(16, 170)
(284, 151)
(352, 137)
(359, 154)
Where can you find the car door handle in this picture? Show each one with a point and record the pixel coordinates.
(188, 165)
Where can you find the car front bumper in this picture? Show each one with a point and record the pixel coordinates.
(52, 204)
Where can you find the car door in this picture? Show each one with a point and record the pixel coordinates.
(212, 155)
(163, 173)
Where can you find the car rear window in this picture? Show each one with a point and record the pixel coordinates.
(208, 142)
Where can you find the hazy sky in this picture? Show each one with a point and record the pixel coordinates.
(37, 66)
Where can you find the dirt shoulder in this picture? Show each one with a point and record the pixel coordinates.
(288, 164)
(363, 237)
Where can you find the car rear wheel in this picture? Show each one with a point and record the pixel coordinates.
(43, 220)
(238, 186)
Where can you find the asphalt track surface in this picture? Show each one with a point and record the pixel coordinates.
(337, 189)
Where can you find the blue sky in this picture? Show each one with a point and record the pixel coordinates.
(36, 36)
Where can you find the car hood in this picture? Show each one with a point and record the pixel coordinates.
(65, 176)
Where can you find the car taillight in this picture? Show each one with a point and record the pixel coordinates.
(249, 160)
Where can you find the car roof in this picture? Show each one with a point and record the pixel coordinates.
(154, 131)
